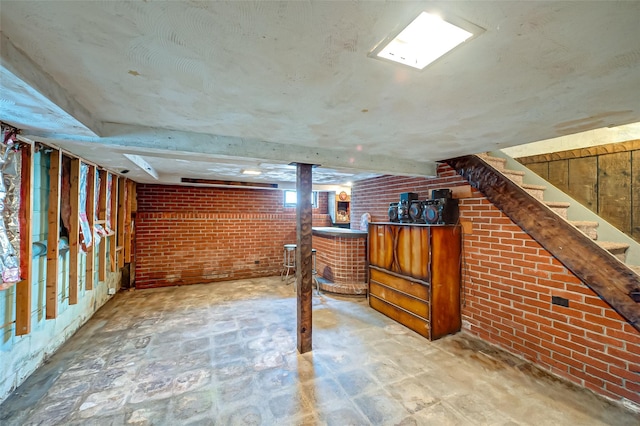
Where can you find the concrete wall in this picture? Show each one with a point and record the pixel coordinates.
(187, 235)
(21, 355)
(508, 283)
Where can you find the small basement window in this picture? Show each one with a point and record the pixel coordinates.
(291, 199)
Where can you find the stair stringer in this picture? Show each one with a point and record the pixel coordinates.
(607, 276)
(576, 211)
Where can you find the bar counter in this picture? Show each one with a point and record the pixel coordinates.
(341, 260)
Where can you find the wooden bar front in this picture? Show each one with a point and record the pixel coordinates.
(414, 276)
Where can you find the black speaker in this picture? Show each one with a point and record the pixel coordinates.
(415, 211)
(393, 212)
(441, 211)
(440, 193)
(408, 197)
(403, 211)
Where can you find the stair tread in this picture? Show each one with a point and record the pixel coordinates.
(612, 245)
(486, 156)
(557, 203)
(513, 172)
(585, 223)
(531, 186)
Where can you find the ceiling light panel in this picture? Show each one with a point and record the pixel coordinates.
(424, 40)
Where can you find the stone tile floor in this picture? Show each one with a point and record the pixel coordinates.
(225, 353)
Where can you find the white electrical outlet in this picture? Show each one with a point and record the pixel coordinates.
(111, 291)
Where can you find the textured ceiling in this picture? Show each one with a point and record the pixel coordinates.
(194, 86)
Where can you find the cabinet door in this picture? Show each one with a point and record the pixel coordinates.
(381, 245)
(412, 252)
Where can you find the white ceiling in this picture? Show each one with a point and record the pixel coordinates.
(207, 89)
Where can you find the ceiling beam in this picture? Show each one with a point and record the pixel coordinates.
(161, 141)
(18, 63)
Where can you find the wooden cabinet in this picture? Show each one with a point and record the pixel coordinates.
(414, 275)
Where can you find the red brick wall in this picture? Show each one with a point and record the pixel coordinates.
(187, 235)
(509, 280)
(341, 260)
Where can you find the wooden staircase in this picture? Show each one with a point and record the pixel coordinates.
(619, 250)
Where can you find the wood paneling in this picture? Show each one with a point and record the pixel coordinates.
(635, 195)
(53, 232)
(609, 197)
(583, 181)
(23, 287)
(559, 174)
(614, 196)
(541, 169)
(592, 151)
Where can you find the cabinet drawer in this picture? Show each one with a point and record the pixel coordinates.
(414, 289)
(411, 304)
(405, 318)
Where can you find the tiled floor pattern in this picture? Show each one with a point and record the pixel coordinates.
(225, 353)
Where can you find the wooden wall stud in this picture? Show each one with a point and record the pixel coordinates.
(53, 233)
(102, 217)
(74, 232)
(91, 207)
(23, 288)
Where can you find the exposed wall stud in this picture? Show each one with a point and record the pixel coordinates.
(23, 288)
(74, 232)
(53, 233)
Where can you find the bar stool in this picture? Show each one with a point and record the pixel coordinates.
(314, 272)
(288, 262)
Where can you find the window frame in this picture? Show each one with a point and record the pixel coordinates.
(314, 199)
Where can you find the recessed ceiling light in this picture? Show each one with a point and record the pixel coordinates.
(251, 172)
(424, 40)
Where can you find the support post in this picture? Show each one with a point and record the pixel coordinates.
(303, 256)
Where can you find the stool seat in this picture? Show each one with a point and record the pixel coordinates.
(288, 261)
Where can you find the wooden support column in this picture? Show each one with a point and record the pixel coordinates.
(122, 198)
(303, 256)
(113, 247)
(91, 210)
(23, 288)
(102, 218)
(53, 233)
(74, 232)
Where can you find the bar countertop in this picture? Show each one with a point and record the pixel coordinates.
(326, 231)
